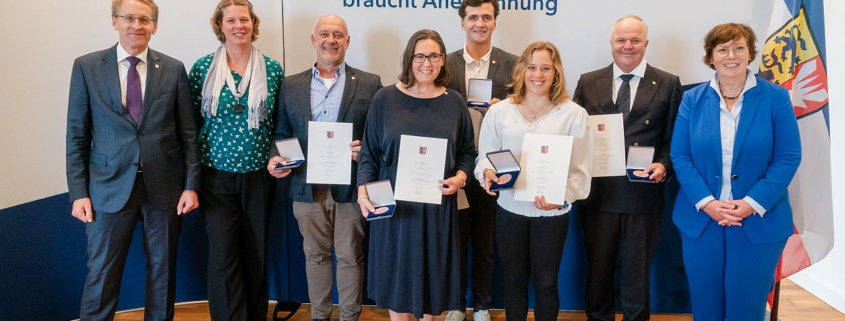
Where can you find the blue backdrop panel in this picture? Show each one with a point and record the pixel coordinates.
(42, 262)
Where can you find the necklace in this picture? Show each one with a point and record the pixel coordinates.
(534, 113)
(730, 97)
(418, 92)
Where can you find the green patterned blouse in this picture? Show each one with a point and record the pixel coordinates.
(226, 143)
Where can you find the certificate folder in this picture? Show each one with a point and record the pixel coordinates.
(290, 150)
(638, 159)
(381, 196)
(479, 92)
(506, 165)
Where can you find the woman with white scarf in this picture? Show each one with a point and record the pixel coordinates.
(234, 92)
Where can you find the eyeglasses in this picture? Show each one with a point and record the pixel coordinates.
(435, 57)
(723, 51)
(130, 19)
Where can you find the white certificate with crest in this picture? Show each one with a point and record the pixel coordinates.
(329, 154)
(545, 168)
(422, 162)
(608, 145)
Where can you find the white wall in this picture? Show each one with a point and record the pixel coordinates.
(40, 40)
(580, 29)
(826, 279)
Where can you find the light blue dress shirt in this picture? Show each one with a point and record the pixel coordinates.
(326, 94)
(728, 122)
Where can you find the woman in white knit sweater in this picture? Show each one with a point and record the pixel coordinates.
(531, 235)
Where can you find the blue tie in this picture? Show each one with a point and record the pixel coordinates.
(133, 89)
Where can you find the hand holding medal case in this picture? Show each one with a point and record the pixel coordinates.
(290, 150)
(507, 169)
(479, 93)
(380, 195)
(638, 159)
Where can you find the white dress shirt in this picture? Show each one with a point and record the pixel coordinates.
(123, 71)
(728, 122)
(638, 73)
(504, 128)
(476, 69)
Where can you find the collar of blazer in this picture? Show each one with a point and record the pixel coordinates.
(711, 104)
(110, 79)
(646, 90)
(300, 84)
(459, 68)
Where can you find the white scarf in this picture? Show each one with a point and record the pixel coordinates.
(255, 78)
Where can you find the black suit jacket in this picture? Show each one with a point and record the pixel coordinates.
(105, 146)
(649, 123)
(500, 71)
(294, 113)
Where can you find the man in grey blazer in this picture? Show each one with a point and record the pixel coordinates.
(621, 219)
(478, 59)
(131, 155)
(328, 215)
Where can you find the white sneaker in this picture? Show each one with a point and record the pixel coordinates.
(481, 315)
(456, 315)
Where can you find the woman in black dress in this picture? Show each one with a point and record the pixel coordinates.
(414, 263)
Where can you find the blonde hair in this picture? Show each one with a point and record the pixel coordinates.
(557, 94)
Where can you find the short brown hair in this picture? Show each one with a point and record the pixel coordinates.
(115, 7)
(407, 75)
(558, 94)
(726, 32)
(462, 11)
(218, 16)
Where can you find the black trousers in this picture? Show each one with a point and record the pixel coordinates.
(236, 209)
(478, 224)
(628, 239)
(531, 249)
(109, 237)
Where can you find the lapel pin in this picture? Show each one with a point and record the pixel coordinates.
(156, 66)
(653, 82)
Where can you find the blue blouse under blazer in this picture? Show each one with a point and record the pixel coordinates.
(767, 152)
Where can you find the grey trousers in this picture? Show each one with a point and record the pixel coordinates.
(326, 224)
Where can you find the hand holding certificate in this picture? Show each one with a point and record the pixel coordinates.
(329, 155)
(545, 168)
(422, 161)
(608, 145)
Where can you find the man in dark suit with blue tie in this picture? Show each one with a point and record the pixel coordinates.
(131, 155)
(621, 219)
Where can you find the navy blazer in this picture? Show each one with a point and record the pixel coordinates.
(767, 152)
(294, 113)
(105, 146)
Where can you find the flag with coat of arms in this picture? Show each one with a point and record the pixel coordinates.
(793, 57)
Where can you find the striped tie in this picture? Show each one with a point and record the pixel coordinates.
(623, 98)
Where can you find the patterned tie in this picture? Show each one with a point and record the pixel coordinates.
(623, 98)
(133, 89)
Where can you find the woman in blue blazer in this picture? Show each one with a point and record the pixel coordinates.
(735, 149)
